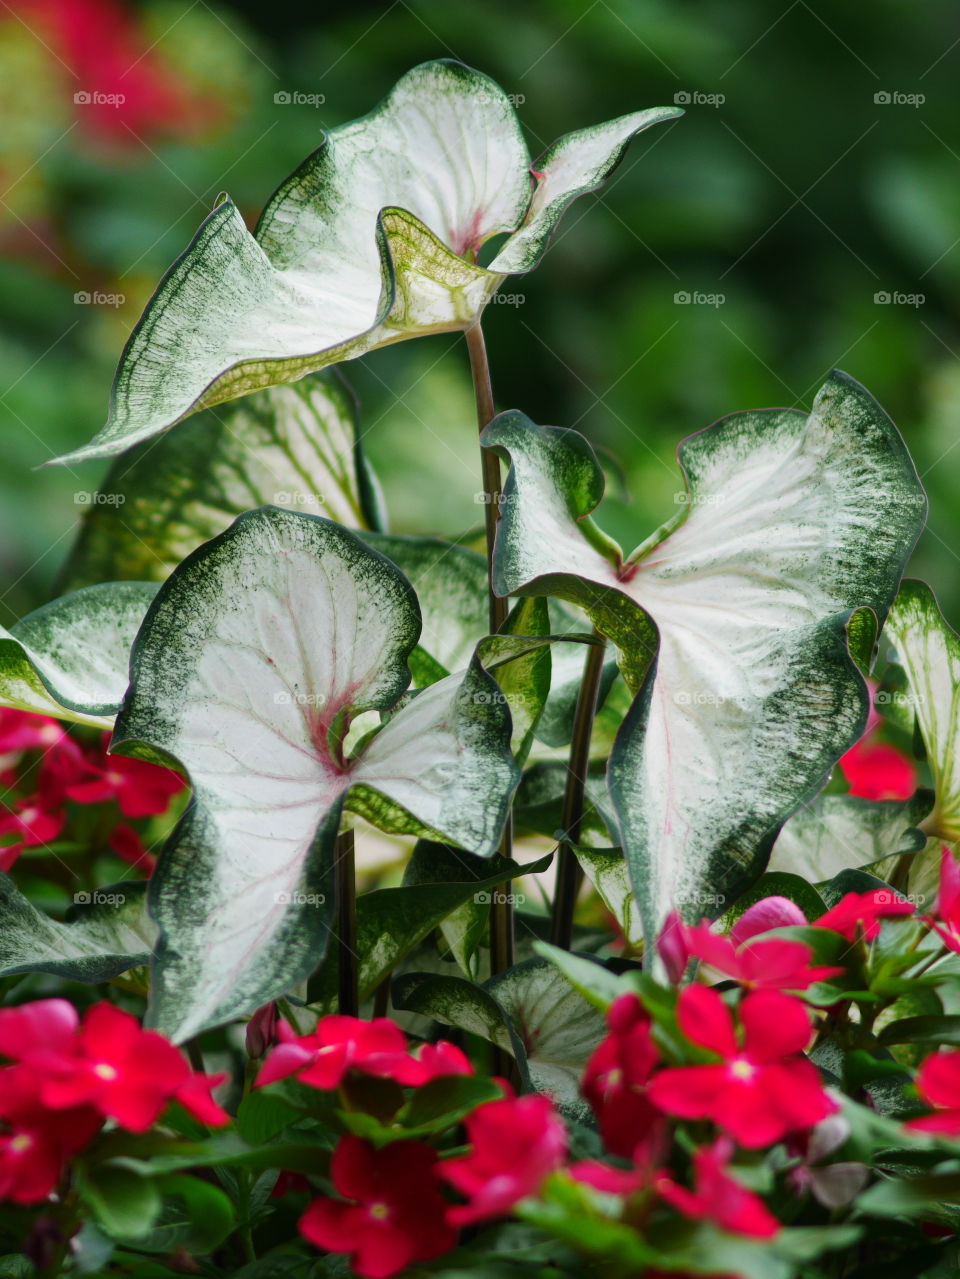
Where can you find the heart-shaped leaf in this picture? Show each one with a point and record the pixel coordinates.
(71, 658)
(106, 933)
(373, 239)
(294, 446)
(844, 832)
(731, 621)
(254, 657)
(928, 649)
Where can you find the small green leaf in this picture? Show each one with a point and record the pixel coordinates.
(195, 1217)
(124, 1206)
(596, 984)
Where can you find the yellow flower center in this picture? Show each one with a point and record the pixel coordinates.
(105, 1071)
(741, 1069)
(21, 1143)
(379, 1211)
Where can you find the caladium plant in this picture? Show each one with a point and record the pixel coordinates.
(740, 1056)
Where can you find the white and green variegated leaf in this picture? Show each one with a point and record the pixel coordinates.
(253, 658)
(532, 1007)
(607, 870)
(451, 586)
(524, 683)
(732, 621)
(555, 727)
(928, 650)
(71, 658)
(100, 940)
(292, 446)
(844, 832)
(373, 239)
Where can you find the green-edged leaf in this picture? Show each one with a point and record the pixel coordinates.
(576, 164)
(929, 652)
(391, 922)
(792, 523)
(607, 870)
(451, 586)
(595, 983)
(293, 446)
(71, 658)
(106, 933)
(844, 832)
(372, 240)
(249, 665)
(525, 681)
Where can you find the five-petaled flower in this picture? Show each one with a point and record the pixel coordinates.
(719, 1197)
(340, 1044)
(141, 789)
(517, 1142)
(617, 1074)
(392, 1211)
(37, 1142)
(771, 963)
(763, 1088)
(862, 912)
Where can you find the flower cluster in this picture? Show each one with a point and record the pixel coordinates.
(67, 1077)
(44, 769)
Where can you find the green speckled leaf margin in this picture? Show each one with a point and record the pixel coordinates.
(71, 658)
(253, 650)
(291, 446)
(370, 241)
(928, 649)
(102, 937)
(791, 524)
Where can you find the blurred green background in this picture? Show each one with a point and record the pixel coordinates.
(816, 172)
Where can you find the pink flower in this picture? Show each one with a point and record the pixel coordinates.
(24, 731)
(856, 912)
(761, 964)
(37, 1143)
(339, 1044)
(141, 789)
(671, 950)
(763, 916)
(876, 770)
(129, 847)
(517, 1143)
(607, 1179)
(616, 1077)
(31, 824)
(719, 1198)
(763, 1088)
(938, 1083)
(946, 918)
(108, 1063)
(392, 1212)
(442, 1058)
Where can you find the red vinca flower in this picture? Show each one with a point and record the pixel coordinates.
(339, 1044)
(392, 1211)
(35, 1142)
(856, 912)
(876, 770)
(718, 1197)
(757, 963)
(31, 824)
(517, 1143)
(141, 789)
(945, 920)
(765, 915)
(938, 1083)
(24, 731)
(108, 1063)
(763, 1088)
(616, 1077)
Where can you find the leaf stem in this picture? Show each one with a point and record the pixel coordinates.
(569, 873)
(345, 892)
(502, 946)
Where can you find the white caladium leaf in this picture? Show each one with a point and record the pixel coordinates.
(71, 658)
(105, 935)
(372, 240)
(292, 446)
(256, 654)
(928, 649)
(844, 832)
(792, 522)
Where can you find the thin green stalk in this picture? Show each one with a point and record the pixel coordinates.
(501, 909)
(345, 894)
(569, 873)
